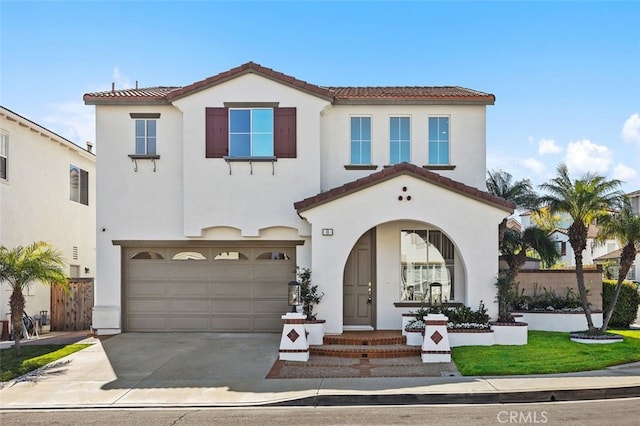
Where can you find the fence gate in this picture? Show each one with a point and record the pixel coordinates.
(72, 311)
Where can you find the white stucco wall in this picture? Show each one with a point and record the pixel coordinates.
(191, 197)
(476, 242)
(35, 204)
(467, 140)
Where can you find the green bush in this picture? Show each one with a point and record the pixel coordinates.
(626, 308)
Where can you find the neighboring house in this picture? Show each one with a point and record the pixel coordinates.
(614, 255)
(211, 194)
(47, 193)
(561, 237)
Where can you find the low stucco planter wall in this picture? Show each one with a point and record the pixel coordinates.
(414, 337)
(460, 337)
(515, 333)
(558, 321)
(315, 331)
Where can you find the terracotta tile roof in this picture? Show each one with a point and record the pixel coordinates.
(351, 95)
(158, 94)
(252, 67)
(398, 170)
(411, 92)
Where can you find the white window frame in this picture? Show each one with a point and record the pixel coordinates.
(400, 140)
(76, 190)
(4, 154)
(360, 141)
(433, 162)
(145, 137)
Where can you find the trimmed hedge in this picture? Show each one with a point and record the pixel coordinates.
(626, 308)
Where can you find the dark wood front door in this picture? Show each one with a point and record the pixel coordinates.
(358, 283)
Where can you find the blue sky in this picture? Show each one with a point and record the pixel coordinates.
(566, 75)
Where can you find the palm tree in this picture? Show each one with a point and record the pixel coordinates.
(516, 244)
(585, 199)
(514, 248)
(625, 227)
(22, 265)
(521, 193)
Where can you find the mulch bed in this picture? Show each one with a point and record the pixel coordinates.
(319, 367)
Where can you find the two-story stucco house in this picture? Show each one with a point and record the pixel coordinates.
(47, 193)
(211, 194)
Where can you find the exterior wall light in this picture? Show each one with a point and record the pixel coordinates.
(294, 295)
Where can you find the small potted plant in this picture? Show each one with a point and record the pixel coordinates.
(310, 297)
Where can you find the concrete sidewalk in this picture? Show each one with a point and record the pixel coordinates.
(203, 369)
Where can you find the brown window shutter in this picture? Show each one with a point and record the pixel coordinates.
(284, 132)
(217, 132)
(563, 251)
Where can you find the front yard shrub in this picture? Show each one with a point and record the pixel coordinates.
(626, 308)
(548, 300)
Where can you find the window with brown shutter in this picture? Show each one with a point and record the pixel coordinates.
(284, 132)
(217, 132)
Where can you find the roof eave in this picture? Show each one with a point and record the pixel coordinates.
(414, 101)
(112, 100)
(355, 186)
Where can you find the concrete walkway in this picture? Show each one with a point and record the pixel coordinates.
(202, 369)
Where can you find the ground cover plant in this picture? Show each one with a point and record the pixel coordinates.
(546, 353)
(31, 358)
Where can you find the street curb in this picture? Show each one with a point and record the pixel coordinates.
(465, 398)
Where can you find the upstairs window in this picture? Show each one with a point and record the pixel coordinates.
(4, 155)
(400, 139)
(145, 137)
(438, 140)
(78, 185)
(360, 140)
(251, 132)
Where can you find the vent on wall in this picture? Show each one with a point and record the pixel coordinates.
(75, 253)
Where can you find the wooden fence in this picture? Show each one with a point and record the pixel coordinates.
(71, 311)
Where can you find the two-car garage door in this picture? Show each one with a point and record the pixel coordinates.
(206, 289)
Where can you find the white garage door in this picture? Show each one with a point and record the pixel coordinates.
(209, 289)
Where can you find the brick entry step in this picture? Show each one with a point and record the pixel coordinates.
(366, 344)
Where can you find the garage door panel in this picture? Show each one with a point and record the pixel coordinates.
(189, 324)
(270, 289)
(270, 306)
(147, 269)
(146, 323)
(248, 295)
(232, 323)
(148, 288)
(189, 289)
(190, 305)
(240, 290)
(230, 271)
(232, 306)
(147, 306)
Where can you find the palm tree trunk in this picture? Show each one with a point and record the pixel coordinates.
(16, 304)
(627, 258)
(583, 292)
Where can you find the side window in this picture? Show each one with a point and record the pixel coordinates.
(438, 140)
(145, 127)
(400, 139)
(145, 137)
(78, 185)
(4, 155)
(360, 140)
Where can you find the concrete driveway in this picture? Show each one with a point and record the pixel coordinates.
(205, 369)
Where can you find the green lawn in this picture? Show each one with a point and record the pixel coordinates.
(546, 353)
(32, 357)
